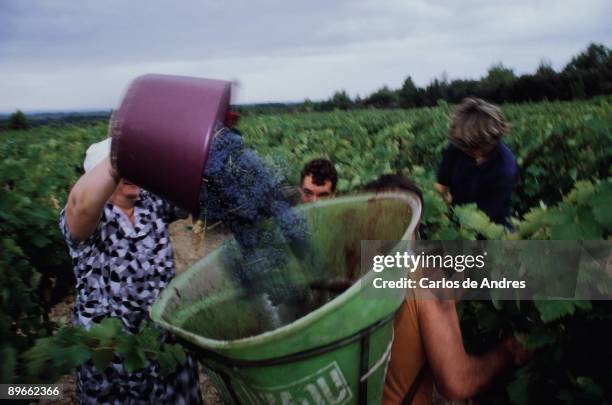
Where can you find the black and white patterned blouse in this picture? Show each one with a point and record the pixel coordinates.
(120, 271)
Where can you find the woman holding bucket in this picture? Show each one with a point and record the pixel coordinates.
(118, 239)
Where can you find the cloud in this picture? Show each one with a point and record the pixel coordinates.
(66, 54)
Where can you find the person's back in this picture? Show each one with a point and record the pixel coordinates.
(408, 377)
(427, 341)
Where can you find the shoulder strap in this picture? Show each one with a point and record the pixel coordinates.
(415, 385)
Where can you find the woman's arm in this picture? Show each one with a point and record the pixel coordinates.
(87, 198)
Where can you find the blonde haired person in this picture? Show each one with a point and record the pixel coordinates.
(477, 167)
(118, 239)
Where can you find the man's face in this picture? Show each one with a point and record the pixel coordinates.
(310, 192)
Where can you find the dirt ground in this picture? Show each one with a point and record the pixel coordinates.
(189, 246)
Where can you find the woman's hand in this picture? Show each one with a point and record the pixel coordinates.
(519, 354)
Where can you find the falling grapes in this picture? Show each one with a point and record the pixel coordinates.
(244, 193)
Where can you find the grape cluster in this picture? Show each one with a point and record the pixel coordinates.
(240, 190)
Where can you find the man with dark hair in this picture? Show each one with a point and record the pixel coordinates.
(318, 180)
(391, 182)
(428, 346)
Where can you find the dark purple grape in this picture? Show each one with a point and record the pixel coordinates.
(246, 195)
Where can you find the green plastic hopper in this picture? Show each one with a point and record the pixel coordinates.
(337, 353)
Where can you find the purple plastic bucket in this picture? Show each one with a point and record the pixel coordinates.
(162, 132)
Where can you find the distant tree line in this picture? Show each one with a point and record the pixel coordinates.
(19, 121)
(588, 74)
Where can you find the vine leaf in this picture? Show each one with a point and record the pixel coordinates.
(551, 310)
(539, 337)
(518, 390)
(167, 363)
(601, 203)
(105, 330)
(470, 217)
(9, 362)
(590, 387)
(178, 353)
(101, 358)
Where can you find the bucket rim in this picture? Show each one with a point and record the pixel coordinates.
(306, 321)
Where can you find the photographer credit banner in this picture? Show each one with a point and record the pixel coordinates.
(489, 270)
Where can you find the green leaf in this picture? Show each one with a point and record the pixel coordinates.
(101, 358)
(448, 234)
(551, 310)
(601, 204)
(575, 231)
(125, 344)
(40, 241)
(583, 191)
(590, 387)
(8, 364)
(167, 363)
(133, 355)
(67, 336)
(470, 217)
(583, 305)
(518, 390)
(540, 337)
(38, 355)
(149, 338)
(77, 355)
(557, 216)
(178, 353)
(107, 329)
(134, 360)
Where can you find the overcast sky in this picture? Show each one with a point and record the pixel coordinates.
(67, 54)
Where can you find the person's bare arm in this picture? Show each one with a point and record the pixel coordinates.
(457, 374)
(87, 198)
(442, 189)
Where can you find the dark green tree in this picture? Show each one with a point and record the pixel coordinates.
(408, 94)
(594, 57)
(382, 98)
(499, 75)
(308, 105)
(341, 100)
(459, 89)
(358, 101)
(545, 69)
(18, 121)
(496, 85)
(436, 90)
